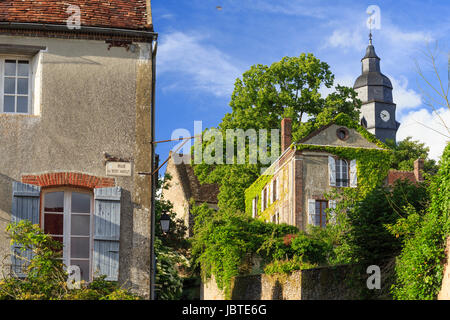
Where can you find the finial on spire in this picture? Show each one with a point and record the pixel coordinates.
(370, 32)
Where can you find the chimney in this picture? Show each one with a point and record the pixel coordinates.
(418, 169)
(286, 133)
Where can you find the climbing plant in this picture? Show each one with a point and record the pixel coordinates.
(419, 267)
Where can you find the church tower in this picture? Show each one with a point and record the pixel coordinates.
(375, 92)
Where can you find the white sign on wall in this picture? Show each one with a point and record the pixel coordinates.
(118, 169)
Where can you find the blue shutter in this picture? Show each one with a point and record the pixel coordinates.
(25, 205)
(107, 232)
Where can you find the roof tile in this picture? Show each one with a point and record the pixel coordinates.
(124, 14)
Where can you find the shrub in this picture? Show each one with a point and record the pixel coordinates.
(45, 277)
(419, 267)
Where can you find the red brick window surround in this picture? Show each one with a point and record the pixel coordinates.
(72, 179)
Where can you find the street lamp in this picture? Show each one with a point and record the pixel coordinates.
(165, 222)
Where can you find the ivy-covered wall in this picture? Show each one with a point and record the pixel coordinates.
(372, 161)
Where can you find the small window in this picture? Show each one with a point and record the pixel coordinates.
(15, 85)
(321, 216)
(342, 133)
(341, 173)
(255, 207)
(274, 190)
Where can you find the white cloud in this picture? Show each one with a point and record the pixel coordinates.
(195, 65)
(422, 125)
(351, 38)
(404, 97)
(404, 39)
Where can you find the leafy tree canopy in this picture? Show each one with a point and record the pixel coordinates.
(261, 98)
(407, 151)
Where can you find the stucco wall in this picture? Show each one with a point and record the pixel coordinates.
(88, 106)
(175, 193)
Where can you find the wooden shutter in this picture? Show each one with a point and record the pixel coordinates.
(332, 171)
(107, 232)
(353, 174)
(332, 206)
(25, 206)
(262, 200)
(312, 212)
(254, 207)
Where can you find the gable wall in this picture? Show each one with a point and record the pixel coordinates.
(328, 137)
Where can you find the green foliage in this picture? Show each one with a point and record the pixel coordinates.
(225, 243)
(407, 151)
(419, 267)
(261, 98)
(171, 249)
(169, 284)
(310, 249)
(45, 277)
(367, 239)
(288, 266)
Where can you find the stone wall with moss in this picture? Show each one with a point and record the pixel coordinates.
(345, 282)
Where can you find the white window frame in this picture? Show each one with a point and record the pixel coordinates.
(67, 224)
(4, 57)
(339, 173)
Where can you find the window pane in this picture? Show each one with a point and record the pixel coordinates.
(79, 247)
(324, 216)
(10, 68)
(22, 104)
(53, 224)
(10, 85)
(54, 202)
(23, 68)
(81, 202)
(8, 104)
(22, 86)
(80, 225)
(84, 268)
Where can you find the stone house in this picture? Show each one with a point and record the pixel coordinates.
(76, 110)
(184, 187)
(293, 189)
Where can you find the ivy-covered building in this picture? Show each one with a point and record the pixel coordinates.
(337, 156)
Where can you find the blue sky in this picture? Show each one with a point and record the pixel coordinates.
(202, 50)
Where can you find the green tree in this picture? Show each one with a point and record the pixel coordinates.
(407, 151)
(261, 98)
(419, 268)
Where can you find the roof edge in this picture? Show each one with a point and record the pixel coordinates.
(146, 34)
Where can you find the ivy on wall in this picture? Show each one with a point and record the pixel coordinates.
(372, 164)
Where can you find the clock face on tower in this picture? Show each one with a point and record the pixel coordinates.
(385, 116)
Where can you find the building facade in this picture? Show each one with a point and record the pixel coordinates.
(184, 187)
(76, 124)
(293, 190)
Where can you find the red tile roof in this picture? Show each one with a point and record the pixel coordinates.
(123, 14)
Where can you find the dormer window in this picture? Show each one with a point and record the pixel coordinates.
(15, 85)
